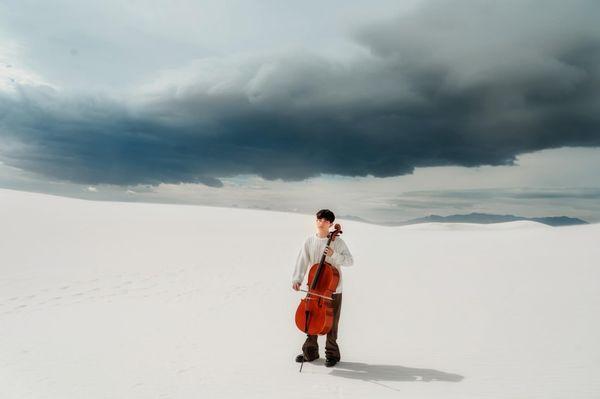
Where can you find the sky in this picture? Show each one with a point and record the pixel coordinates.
(375, 109)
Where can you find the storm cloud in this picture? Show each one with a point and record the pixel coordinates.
(464, 83)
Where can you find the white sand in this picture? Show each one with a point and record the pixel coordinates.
(129, 300)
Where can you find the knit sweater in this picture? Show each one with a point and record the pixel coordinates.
(311, 252)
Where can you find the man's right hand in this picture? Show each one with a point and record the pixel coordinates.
(296, 286)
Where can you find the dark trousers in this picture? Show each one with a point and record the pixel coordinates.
(332, 350)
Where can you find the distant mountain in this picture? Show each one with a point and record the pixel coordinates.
(481, 218)
(485, 218)
(356, 218)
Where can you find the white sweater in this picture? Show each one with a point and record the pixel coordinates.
(311, 252)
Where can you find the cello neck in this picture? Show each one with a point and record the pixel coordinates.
(321, 263)
(324, 256)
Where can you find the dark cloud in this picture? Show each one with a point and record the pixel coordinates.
(455, 83)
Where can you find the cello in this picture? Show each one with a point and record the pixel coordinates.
(314, 315)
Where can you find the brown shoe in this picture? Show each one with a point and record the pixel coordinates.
(301, 358)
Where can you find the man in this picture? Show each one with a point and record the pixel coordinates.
(337, 255)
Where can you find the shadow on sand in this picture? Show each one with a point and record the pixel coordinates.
(376, 373)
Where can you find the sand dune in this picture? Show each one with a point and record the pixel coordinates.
(129, 300)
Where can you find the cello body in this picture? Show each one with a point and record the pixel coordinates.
(314, 315)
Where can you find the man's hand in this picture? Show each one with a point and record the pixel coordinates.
(328, 251)
(296, 286)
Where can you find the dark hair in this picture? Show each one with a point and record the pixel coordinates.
(326, 214)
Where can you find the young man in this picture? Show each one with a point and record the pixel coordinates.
(338, 255)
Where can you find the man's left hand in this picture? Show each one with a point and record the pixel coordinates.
(328, 251)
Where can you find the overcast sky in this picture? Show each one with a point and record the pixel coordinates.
(375, 110)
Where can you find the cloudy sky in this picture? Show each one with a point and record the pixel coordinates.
(384, 110)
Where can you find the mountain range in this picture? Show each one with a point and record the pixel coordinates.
(482, 218)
